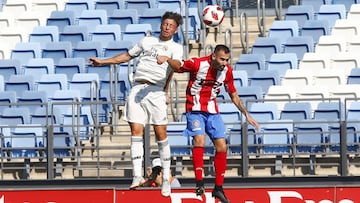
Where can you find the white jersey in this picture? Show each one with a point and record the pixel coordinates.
(148, 49)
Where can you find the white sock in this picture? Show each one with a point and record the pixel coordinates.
(137, 154)
(164, 151)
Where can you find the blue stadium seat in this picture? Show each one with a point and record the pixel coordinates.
(250, 92)
(311, 136)
(264, 79)
(49, 83)
(313, 3)
(32, 99)
(20, 83)
(264, 112)
(331, 13)
(61, 19)
(109, 5)
(117, 47)
(92, 18)
(229, 114)
(57, 50)
(7, 97)
(354, 76)
(240, 78)
(180, 144)
(299, 45)
(139, 5)
(14, 116)
(74, 34)
(281, 62)
(24, 51)
(9, 67)
(277, 137)
(315, 29)
(78, 6)
(300, 13)
(296, 111)
(123, 17)
(283, 29)
(83, 83)
(24, 142)
(87, 49)
(135, 32)
(70, 66)
(44, 34)
(106, 34)
(250, 63)
(170, 5)
(42, 116)
(235, 141)
(266, 46)
(39, 66)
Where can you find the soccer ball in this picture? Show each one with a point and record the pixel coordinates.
(212, 15)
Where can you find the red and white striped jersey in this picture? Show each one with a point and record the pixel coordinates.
(204, 84)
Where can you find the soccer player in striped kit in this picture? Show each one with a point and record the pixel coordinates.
(207, 74)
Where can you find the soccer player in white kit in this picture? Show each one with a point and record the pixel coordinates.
(146, 102)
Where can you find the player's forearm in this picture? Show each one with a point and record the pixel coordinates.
(174, 64)
(118, 59)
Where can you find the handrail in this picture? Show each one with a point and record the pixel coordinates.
(261, 19)
(244, 34)
(278, 9)
(174, 87)
(229, 43)
(202, 34)
(113, 88)
(208, 47)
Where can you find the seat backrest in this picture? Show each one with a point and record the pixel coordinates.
(109, 5)
(74, 34)
(250, 63)
(264, 112)
(24, 51)
(70, 66)
(331, 13)
(77, 6)
(87, 49)
(300, 13)
(299, 45)
(61, 18)
(9, 67)
(106, 34)
(282, 62)
(266, 46)
(57, 50)
(265, 79)
(296, 111)
(92, 18)
(315, 29)
(283, 29)
(44, 34)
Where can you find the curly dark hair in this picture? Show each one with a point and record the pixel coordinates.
(174, 16)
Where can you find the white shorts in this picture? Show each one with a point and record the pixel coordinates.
(146, 104)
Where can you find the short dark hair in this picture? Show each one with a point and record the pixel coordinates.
(222, 47)
(174, 16)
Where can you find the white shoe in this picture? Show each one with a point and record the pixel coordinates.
(165, 188)
(137, 181)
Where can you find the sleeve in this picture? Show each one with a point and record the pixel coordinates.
(178, 54)
(229, 82)
(136, 49)
(187, 66)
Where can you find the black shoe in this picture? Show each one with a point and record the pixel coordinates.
(200, 189)
(218, 192)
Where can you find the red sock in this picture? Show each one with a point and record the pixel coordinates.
(198, 162)
(220, 167)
